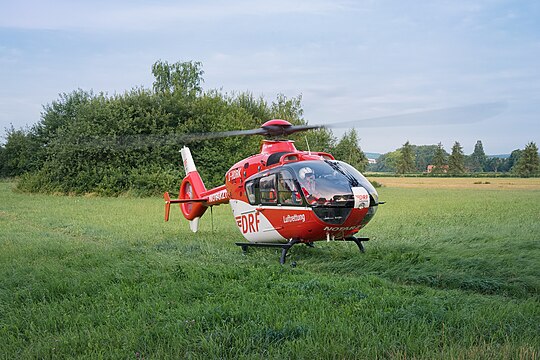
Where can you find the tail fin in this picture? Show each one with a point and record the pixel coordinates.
(189, 198)
(192, 187)
(187, 159)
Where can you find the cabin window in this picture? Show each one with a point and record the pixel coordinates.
(252, 192)
(267, 186)
(272, 189)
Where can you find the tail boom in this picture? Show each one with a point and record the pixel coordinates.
(216, 196)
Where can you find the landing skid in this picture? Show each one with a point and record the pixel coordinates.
(358, 241)
(285, 247)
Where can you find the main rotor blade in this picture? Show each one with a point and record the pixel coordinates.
(272, 130)
(149, 140)
(217, 135)
(448, 116)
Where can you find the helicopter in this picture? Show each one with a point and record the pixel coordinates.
(282, 196)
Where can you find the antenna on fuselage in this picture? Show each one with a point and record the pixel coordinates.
(307, 143)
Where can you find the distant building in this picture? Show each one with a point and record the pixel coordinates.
(372, 161)
(431, 167)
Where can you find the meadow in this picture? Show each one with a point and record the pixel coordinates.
(450, 272)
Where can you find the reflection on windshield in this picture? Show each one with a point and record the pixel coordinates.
(350, 171)
(329, 182)
(321, 184)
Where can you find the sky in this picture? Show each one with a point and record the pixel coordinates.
(348, 60)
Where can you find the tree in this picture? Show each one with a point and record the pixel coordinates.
(528, 164)
(456, 160)
(406, 163)
(424, 155)
(318, 140)
(61, 113)
(288, 109)
(478, 158)
(509, 163)
(439, 160)
(20, 154)
(387, 162)
(349, 151)
(182, 78)
(493, 164)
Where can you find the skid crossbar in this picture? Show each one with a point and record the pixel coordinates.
(284, 247)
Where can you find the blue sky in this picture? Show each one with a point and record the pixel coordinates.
(348, 59)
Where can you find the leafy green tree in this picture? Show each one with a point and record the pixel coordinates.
(181, 78)
(61, 113)
(478, 158)
(26, 149)
(387, 162)
(509, 163)
(256, 108)
(318, 140)
(423, 156)
(406, 163)
(529, 163)
(456, 161)
(20, 154)
(349, 151)
(289, 109)
(439, 160)
(493, 164)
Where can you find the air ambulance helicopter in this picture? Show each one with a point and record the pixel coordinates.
(283, 196)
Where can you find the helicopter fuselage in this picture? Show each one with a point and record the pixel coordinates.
(282, 194)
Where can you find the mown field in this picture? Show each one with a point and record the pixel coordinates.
(484, 183)
(451, 273)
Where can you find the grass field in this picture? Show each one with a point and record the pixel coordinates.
(450, 273)
(460, 183)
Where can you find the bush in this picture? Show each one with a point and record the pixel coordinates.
(129, 143)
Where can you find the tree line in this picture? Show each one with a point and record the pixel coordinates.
(435, 160)
(130, 142)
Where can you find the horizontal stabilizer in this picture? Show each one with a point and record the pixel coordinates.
(169, 201)
(181, 201)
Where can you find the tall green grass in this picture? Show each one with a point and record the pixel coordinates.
(447, 274)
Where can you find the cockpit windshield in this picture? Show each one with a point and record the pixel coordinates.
(328, 183)
(355, 177)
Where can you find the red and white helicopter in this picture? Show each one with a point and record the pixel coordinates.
(283, 196)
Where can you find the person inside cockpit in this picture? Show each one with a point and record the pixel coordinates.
(307, 180)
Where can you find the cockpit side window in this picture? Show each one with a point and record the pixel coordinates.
(267, 185)
(288, 193)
